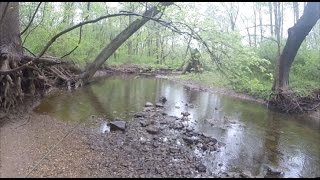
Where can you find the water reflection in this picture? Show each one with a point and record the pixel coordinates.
(253, 135)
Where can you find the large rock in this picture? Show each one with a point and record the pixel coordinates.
(117, 125)
(148, 104)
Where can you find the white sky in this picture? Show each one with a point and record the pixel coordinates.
(245, 8)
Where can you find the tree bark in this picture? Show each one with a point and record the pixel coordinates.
(296, 36)
(11, 53)
(118, 41)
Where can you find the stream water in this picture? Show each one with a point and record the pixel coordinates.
(255, 137)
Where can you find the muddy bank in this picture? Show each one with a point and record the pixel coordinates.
(132, 69)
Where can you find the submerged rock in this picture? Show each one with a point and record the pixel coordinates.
(117, 125)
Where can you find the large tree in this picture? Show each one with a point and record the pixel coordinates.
(296, 36)
(282, 97)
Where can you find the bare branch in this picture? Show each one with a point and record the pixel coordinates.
(34, 15)
(53, 39)
(43, 12)
(29, 51)
(76, 46)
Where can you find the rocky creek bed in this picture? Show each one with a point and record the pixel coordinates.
(153, 144)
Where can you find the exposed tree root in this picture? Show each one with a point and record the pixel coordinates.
(34, 79)
(288, 102)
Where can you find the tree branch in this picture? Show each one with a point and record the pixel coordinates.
(53, 39)
(34, 15)
(43, 12)
(76, 46)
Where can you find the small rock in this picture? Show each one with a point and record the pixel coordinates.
(185, 113)
(201, 168)
(159, 105)
(117, 125)
(152, 130)
(189, 129)
(148, 109)
(139, 114)
(246, 174)
(204, 147)
(148, 104)
(191, 106)
(173, 150)
(271, 172)
(178, 107)
(144, 123)
(164, 114)
(178, 125)
(155, 144)
(216, 108)
(188, 140)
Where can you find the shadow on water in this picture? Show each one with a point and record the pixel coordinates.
(255, 138)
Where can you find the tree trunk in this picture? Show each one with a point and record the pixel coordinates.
(255, 24)
(280, 13)
(270, 13)
(260, 20)
(118, 41)
(277, 24)
(296, 36)
(130, 41)
(11, 53)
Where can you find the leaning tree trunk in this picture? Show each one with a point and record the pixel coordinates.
(118, 41)
(11, 53)
(296, 36)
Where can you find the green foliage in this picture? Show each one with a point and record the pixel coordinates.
(153, 45)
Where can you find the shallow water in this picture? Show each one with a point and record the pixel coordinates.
(254, 136)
